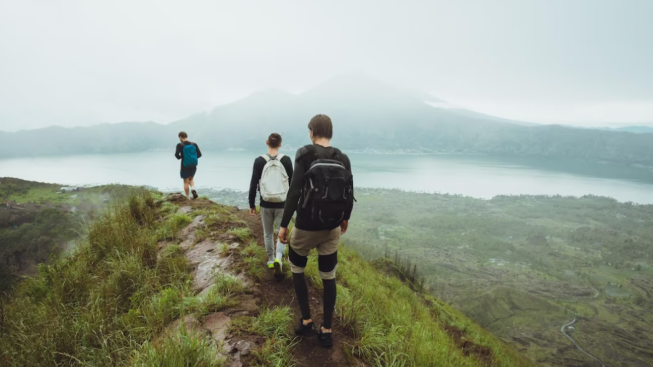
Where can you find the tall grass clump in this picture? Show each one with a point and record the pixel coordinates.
(179, 349)
(396, 326)
(106, 299)
(275, 325)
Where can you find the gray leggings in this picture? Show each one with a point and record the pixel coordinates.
(270, 219)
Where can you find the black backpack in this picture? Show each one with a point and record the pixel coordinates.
(328, 190)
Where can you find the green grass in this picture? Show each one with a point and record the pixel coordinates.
(93, 307)
(275, 325)
(539, 241)
(109, 303)
(174, 223)
(254, 258)
(177, 350)
(26, 191)
(243, 233)
(394, 326)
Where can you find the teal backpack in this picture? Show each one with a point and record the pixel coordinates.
(190, 156)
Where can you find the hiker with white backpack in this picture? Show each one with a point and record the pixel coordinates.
(271, 176)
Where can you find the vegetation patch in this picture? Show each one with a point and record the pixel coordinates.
(275, 325)
(111, 295)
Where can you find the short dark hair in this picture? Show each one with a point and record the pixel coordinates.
(183, 134)
(321, 126)
(274, 140)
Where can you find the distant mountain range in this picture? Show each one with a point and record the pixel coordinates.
(367, 114)
(632, 129)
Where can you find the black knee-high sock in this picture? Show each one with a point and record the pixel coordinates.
(302, 295)
(329, 301)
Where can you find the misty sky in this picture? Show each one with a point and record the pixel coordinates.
(74, 63)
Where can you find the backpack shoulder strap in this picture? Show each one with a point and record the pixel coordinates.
(280, 156)
(337, 153)
(266, 157)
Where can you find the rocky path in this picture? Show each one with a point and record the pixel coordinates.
(212, 255)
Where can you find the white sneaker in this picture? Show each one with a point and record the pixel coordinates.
(270, 264)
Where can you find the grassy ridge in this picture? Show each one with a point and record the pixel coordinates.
(45, 222)
(99, 306)
(109, 303)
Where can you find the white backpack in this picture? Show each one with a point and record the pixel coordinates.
(274, 183)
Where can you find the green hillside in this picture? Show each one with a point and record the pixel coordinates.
(523, 266)
(137, 293)
(37, 221)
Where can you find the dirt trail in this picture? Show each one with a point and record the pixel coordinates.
(308, 353)
(207, 256)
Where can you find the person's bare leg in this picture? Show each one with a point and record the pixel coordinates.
(186, 187)
(192, 187)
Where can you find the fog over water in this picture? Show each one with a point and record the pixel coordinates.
(470, 176)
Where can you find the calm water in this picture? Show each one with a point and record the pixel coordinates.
(477, 177)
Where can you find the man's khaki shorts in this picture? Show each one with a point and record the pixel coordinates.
(326, 244)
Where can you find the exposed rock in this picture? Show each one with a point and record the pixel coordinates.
(190, 322)
(217, 323)
(247, 305)
(201, 252)
(227, 237)
(235, 362)
(247, 282)
(205, 273)
(244, 347)
(185, 209)
(188, 233)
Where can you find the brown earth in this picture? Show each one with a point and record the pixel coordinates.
(308, 353)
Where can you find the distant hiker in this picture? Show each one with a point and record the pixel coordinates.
(322, 193)
(189, 153)
(271, 175)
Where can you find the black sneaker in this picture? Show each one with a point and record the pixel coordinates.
(278, 270)
(326, 339)
(305, 330)
(195, 196)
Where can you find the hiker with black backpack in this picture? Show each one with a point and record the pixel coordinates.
(271, 175)
(322, 194)
(189, 154)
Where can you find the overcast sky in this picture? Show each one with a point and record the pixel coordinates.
(69, 63)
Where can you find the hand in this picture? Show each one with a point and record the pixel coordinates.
(344, 226)
(252, 211)
(283, 235)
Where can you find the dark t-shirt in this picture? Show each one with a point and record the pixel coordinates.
(179, 154)
(257, 171)
(303, 161)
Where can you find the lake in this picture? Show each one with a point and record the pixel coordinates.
(481, 177)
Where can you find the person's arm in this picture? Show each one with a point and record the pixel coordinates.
(178, 152)
(351, 207)
(287, 164)
(199, 154)
(253, 184)
(295, 188)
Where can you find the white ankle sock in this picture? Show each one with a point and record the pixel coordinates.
(281, 248)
